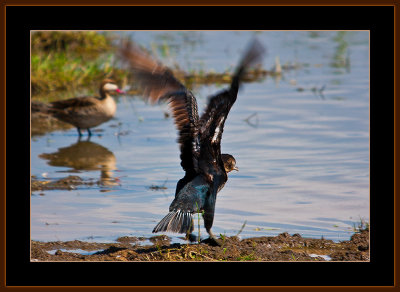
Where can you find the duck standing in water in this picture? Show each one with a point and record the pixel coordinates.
(84, 112)
(199, 137)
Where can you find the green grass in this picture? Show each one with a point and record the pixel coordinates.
(69, 60)
(249, 257)
(81, 42)
(64, 71)
(361, 225)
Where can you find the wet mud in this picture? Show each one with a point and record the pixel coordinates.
(68, 183)
(284, 247)
(42, 123)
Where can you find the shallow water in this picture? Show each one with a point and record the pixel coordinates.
(80, 251)
(301, 143)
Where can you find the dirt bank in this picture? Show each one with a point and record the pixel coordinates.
(283, 247)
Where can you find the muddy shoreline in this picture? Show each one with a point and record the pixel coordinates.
(284, 247)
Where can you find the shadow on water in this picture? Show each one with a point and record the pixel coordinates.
(85, 156)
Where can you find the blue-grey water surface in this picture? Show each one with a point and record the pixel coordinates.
(301, 143)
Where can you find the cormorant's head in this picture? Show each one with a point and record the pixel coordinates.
(229, 162)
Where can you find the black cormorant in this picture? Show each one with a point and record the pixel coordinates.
(199, 137)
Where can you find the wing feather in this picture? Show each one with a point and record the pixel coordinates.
(213, 119)
(159, 84)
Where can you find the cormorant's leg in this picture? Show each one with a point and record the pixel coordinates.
(89, 132)
(191, 237)
(189, 233)
(79, 131)
(208, 221)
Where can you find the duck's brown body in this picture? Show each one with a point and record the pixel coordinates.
(83, 112)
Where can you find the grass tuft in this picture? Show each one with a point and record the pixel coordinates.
(68, 60)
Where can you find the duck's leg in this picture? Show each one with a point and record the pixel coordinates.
(89, 132)
(79, 132)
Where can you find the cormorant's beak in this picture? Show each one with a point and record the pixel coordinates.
(236, 168)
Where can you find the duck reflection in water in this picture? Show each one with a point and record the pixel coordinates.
(85, 156)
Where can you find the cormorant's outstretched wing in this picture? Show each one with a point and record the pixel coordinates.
(213, 119)
(159, 84)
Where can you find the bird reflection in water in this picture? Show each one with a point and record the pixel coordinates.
(86, 156)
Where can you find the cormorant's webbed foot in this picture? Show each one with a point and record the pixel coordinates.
(212, 240)
(191, 237)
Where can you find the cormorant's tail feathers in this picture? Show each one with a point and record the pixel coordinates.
(176, 221)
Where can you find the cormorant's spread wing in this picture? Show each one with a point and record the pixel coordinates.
(213, 119)
(159, 84)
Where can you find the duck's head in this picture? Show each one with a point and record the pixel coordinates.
(229, 162)
(108, 86)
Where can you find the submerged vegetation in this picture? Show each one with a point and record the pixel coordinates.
(360, 226)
